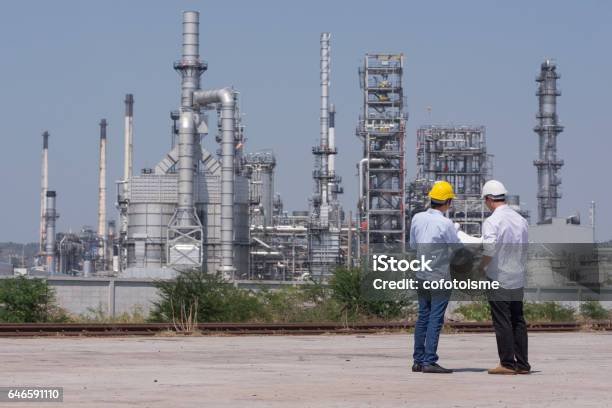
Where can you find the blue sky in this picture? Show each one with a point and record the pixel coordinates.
(66, 64)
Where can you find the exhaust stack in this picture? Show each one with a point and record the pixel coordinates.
(102, 182)
(185, 229)
(50, 217)
(128, 149)
(43, 190)
(103, 239)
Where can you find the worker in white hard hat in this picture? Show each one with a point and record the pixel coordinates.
(430, 234)
(504, 260)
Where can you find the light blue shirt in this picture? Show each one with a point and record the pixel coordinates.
(432, 227)
(504, 237)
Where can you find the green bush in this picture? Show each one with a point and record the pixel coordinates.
(592, 309)
(549, 312)
(475, 311)
(24, 300)
(200, 297)
(345, 286)
(306, 303)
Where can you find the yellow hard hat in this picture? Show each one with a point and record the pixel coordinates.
(441, 191)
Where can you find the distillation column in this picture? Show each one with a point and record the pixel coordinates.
(322, 152)
(324, 226)
(43, 189)
(548, 129)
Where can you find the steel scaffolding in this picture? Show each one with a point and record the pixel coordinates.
(382, 169)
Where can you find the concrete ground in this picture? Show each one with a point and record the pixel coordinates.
(572, 370)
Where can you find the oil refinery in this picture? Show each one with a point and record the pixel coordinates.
(218, 210)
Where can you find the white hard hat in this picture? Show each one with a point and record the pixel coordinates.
(493, 188)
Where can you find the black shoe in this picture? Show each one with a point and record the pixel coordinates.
(436, 369)
(417, 368)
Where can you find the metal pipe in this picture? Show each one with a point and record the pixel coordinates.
(43, 189)
(50, 217)
(190, 66)
(186, 163)
(331, 166)
(225, 97)
(332, 138)
(362, 162)
(102, 183)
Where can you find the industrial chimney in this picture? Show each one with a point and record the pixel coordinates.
(128, 148)
(102, 250)
(102, 182)
(128, 151)
(185, 228)
(50, 217)
(43, 189)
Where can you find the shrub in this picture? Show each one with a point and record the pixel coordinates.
(305, 303)
(195, 296)
(592, 309)
(475, 311)
(345, 286)
(549, 312)
(24, 300)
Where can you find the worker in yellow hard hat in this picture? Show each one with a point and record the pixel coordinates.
(432, 235)
(441, 193)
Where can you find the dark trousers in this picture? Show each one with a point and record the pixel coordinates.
(510, 328)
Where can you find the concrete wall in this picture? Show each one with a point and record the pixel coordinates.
(111, 296)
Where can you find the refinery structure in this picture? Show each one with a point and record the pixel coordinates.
(217, 210)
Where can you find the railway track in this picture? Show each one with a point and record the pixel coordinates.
(151, 329)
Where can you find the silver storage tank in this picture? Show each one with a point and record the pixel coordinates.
(152, 201)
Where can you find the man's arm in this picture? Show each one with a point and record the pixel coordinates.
(412, 234)
(489, 239)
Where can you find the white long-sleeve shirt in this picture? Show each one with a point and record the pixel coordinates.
(430, 234)
(504, 236)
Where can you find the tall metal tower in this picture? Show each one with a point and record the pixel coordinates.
(548, 129)
(324, 226)
(185, 227)
(323, 151)
(382, 128)
(44, 186)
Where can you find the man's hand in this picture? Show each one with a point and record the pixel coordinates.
(484, 263)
